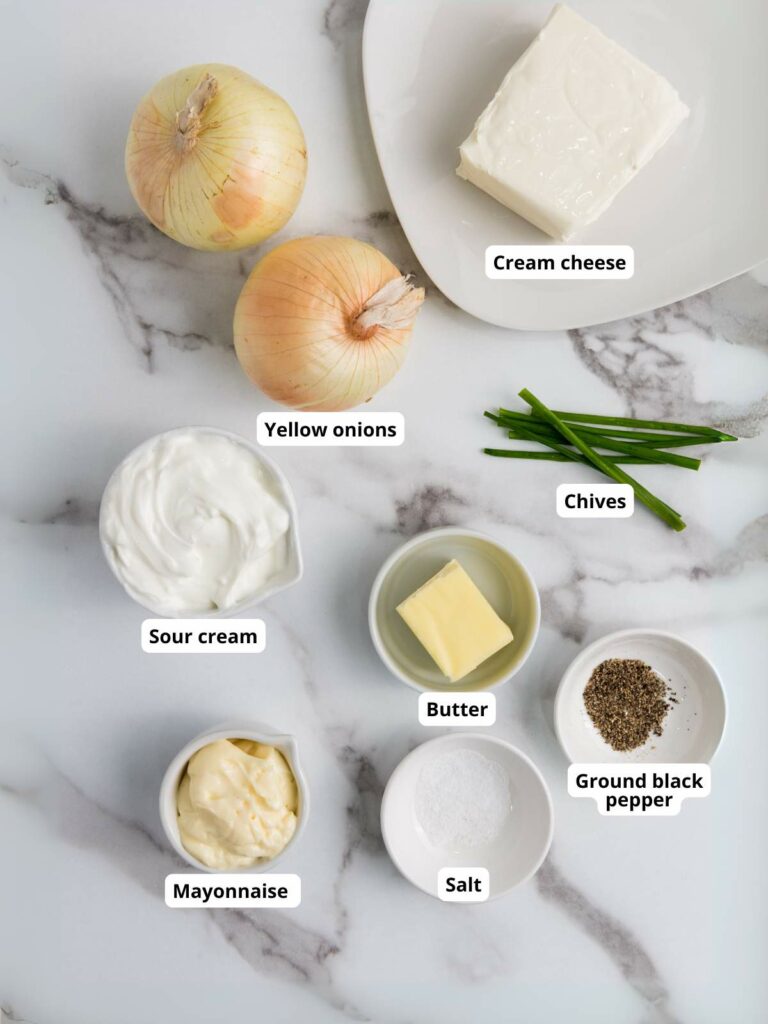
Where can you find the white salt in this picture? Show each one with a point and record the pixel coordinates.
(462, 800)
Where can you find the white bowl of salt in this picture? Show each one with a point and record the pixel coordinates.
(467, 800)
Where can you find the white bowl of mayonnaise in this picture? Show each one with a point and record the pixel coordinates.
(197, 521)
(221, 813)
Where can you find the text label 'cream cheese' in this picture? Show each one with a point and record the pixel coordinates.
(560, 262)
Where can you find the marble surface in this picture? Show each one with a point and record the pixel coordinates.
(113, 333)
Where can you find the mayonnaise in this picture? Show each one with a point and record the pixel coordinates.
(193, 523)
(237, 804)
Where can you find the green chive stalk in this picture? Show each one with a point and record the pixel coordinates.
(626, 421)
(654, 504)
(513, 453)
(655, 439)
(652, 454)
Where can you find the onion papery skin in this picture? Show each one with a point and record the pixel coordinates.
(294, 324)
(235, 178)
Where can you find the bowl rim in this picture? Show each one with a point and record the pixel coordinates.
(294, 543)
(455, 737)
(239, 730)
(624, 634)
(386, 568)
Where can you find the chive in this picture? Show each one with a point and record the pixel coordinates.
(512, 453)
(575, 456)
(594, 439)
(656, 505)
(496, 418)
(626, 421)
(651, 438)
(568, 454)
(652, 454)
(675, 442)
(515, 453)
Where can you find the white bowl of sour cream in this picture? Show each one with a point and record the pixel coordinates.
(197, 521)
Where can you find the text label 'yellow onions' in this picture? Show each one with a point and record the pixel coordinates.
(215, 159)
(323, 323)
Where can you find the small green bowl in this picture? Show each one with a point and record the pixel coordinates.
(502, 578)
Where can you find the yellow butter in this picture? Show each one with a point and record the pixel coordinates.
(454, 622)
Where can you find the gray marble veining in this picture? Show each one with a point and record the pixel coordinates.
(619, 944)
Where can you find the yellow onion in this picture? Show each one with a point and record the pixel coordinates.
(322, 323)
(215, 159)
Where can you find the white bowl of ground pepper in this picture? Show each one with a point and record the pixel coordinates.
(640, 695)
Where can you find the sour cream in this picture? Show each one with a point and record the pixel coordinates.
(193, 522)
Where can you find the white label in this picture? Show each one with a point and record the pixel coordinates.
(463, 885)
(340, 429)
(203, 636)
(457, 708)
(560, 262)
(245, 891)
(642, 790)
(595, 501)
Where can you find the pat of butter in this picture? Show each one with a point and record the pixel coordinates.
(452, 619)
(572, 123)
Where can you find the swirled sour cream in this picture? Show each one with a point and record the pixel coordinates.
(193, 523)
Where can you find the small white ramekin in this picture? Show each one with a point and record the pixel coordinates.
(257, 731)
(501, 577)
(294, 567)
(512, 858)
(694, 727)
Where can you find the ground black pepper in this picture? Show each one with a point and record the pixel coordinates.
(627, 701)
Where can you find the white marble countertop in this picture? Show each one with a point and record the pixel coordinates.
(113, 333)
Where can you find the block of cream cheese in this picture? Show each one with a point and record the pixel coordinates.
(572, 123)
(452, 619)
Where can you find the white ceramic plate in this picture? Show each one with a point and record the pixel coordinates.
(696, 215)
(693, 727)
(512, 858)
(503, 580)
